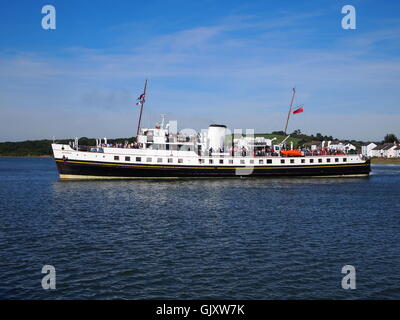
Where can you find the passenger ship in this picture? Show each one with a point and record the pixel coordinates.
(160, 152)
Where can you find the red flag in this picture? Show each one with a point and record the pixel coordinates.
(298, 110)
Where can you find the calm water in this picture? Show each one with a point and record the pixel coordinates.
(238, 239)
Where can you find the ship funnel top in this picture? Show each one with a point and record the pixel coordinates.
(218, 125)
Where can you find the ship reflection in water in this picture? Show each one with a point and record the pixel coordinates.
(285, 238)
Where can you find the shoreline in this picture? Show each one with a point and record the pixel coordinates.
(385, 161)
(45, 156)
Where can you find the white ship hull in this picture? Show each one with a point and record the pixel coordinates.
(125, 163)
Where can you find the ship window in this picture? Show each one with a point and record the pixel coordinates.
(269, 160)
(282, 160)
(241, 161)
(159, 160)
(148, 159)
(291, 160)
(303, 160)
(311, 160)
(261, 161)
(180, 160)
(169, 160)
(221, 161)
(320, 160)
(201, 160)
(336, 159)
(210, 161)
(138, 159)
(116, 157)
(127, 158)
(344, 159)
(328, 160)
(230, 161)
(251, 161)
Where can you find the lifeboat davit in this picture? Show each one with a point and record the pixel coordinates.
(291, 153)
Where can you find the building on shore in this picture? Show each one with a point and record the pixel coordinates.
(367, 150)
(385, 150)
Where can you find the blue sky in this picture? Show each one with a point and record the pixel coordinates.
(231, 62)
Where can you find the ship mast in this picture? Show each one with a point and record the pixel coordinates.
(290, 109)
(141, 106)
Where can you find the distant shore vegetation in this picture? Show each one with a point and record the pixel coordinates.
(40, 148)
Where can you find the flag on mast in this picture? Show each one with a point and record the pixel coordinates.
(140, 100)
(298, 110)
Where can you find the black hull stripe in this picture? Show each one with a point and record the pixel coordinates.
(208, 166)
(101, 169)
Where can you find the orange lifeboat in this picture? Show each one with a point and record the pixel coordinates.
(291, 153)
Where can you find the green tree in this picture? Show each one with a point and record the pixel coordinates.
(390, 138)
(296, 132)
